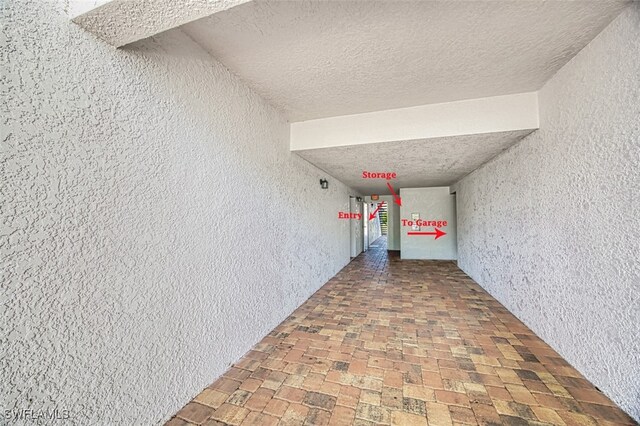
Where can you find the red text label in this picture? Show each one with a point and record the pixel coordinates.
(349, 215)
(378, 175)
(420, 222)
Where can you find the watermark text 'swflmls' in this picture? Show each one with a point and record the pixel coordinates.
(36, 415)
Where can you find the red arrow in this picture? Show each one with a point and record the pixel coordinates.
(373, 215)
(438, 233)
(397, 199)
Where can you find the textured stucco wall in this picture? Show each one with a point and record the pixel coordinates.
(431, 204)
(551, 227)
(155, 224)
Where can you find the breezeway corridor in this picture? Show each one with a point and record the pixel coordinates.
(346, 212)
(410, 342)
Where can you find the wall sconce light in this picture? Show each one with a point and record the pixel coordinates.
(324, 184)
(359, 199)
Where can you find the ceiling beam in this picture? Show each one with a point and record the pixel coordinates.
(120, 22)
(468, 117)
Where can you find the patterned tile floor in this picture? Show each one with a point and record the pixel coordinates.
(403, 343)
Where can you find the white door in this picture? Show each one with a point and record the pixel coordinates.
(365, 225)
(355, 228)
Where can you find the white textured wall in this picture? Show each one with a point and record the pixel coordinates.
(155, 224)
(393, 221)
(551, 227)
(431, 204)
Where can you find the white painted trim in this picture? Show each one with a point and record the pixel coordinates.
(474, 116)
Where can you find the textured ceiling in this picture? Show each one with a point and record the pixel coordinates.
(418, 163)
(319, 59)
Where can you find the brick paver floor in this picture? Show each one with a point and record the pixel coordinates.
(405, 343)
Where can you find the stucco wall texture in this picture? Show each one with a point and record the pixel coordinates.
(551, 227)
(155, 224)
